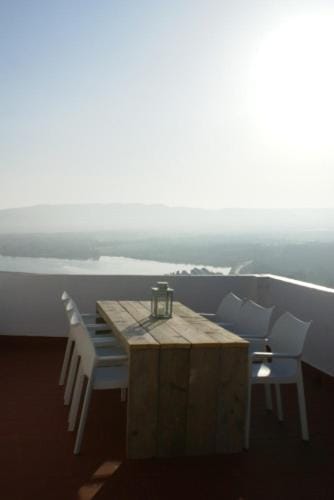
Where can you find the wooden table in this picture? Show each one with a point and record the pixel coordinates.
(187, 381)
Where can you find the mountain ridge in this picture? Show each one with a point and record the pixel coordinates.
(161, 218)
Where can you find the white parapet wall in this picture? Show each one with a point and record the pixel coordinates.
(308, 302)
(30, 303)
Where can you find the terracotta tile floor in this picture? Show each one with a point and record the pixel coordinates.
(36, 460)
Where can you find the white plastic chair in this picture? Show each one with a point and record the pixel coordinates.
(104, 368)
(94, 329)
(228, 311)
(286, 343)
(253, 323)
(101, 336)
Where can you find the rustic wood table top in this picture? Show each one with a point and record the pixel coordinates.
(184, 330)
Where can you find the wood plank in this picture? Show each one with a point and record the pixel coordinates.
(219, 333)
(173, 380)
(233, 387)
(143, 390)
(159, 329)
(131, 334)
(232, 383)
(173, 394)
(193, 333)
(142, 408)
(226, 337)
(205, 401)
(137, 309)
(202, 401)
(195, 336)
(216, 332)
(184, 311)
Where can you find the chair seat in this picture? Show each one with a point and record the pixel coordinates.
(112, 349)
(105, 341)
(281, 371)
(115, 377)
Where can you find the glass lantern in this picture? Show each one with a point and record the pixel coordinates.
(162, 300)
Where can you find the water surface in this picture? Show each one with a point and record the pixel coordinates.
(105, 265)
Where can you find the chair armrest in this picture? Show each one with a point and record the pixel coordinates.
(209, 315)
(99, 327)
(96, 331)
(104, 341)
(250, 338)
(273, 355)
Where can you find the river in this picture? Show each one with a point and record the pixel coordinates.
(105, 265)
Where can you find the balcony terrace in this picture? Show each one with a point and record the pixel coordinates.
(36, 449)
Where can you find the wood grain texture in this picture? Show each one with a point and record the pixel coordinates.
(233, 387)
(190, 332)
(202, 401)
(173, 380)
(183, 311)
(160, 329)
(143, 400)
(127, 329)
(187, 381)
(212, 330)
(173, 396)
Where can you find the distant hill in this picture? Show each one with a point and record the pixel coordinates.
(161, 219)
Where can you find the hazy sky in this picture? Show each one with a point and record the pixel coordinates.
(205, 103)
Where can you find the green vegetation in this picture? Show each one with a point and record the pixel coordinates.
(61, 246)
(296, 258)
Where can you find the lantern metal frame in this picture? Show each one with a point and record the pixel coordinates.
(162, 300)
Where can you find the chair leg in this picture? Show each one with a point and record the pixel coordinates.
(267, 392)
(302, 406)
(83, 417)
(66, 361)
(279, 402)
(76, 400)
(71, 377)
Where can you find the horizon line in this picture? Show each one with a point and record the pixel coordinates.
(182, 207)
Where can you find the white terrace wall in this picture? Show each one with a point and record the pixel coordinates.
(307, 302)
(30, 303)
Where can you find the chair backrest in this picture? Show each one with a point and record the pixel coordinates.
(288, 334)
(229, 308)
(71, 307)
(254, 320)
(86, 349)
(65, 297)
